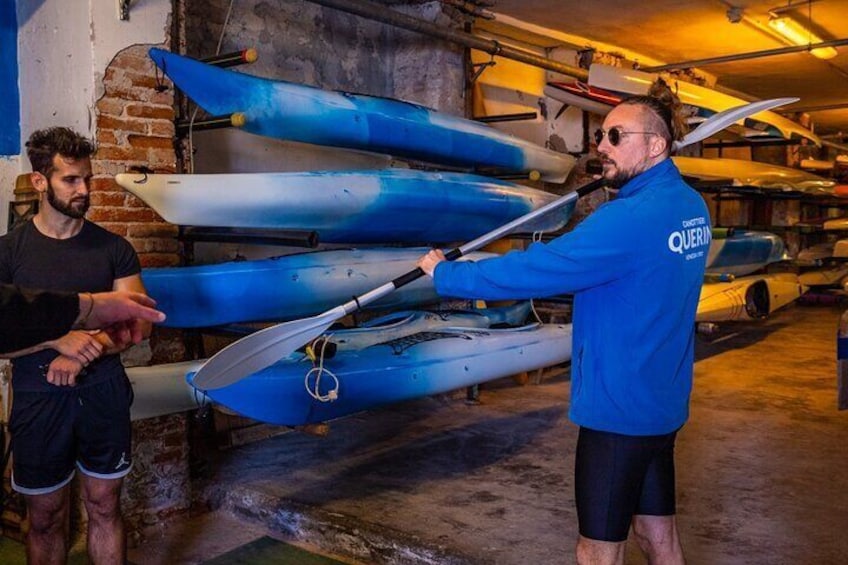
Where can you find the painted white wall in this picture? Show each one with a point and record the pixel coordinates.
(64, 47)
(54, 57)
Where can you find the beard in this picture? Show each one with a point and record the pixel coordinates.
(618, 177)
(73, 208)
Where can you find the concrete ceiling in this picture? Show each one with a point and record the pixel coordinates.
(671, 31)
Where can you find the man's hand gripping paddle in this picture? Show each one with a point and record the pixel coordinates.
(264, 347)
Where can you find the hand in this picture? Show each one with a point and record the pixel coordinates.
(63, 371)
(124, 334)
(428, 262)
(79, 346)
(118, 307)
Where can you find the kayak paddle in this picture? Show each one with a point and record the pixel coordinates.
(264, 347)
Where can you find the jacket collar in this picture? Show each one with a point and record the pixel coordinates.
(647, 178)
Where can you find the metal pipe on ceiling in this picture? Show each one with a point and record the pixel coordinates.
(822, 108)
(837, 146)
(381, 13)
(744, 56)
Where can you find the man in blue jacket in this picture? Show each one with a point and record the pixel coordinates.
(635, 267)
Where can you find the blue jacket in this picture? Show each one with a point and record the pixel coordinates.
(635, 266)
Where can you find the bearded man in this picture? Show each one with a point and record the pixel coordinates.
(71, 407)
(635, 267)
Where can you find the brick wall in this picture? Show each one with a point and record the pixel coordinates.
(158, 486)
(135, 127)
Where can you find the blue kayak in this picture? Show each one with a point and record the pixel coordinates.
(291, 393)
(382, 206)
(284, 288)
(296, 112)
(162, 389)
(744, 252)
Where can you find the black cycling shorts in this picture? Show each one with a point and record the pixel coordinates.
(87, 427)
(618, 476)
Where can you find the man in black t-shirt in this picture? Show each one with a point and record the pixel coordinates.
(69, 414)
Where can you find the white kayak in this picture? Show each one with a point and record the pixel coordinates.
(747, 298)
(741, 173)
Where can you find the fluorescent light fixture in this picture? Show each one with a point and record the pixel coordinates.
(796, 34)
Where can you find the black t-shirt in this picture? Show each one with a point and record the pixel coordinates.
(89, 262)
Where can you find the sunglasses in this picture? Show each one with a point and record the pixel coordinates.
(614, 135)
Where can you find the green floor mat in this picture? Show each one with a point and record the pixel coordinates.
(268, 551)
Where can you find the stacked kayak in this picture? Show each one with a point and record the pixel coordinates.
(631, 81)
(297, 112)
(747, 298)
(744, 252)
(752, 174)
(296, 390)
(392, 205)
(286, 287)
(162, 389)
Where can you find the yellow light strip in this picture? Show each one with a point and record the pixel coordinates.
(796, 34)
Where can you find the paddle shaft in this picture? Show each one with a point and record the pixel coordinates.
(485, 239)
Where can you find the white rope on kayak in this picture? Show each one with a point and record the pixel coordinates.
(314, 389)
(536, 237)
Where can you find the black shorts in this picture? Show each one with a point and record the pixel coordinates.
(618, 476)
(52, 432)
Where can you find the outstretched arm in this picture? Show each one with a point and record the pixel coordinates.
(30, 318)
(118, 337)
(103, 309)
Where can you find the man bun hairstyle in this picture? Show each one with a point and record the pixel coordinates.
(45, 144)
(665, 111)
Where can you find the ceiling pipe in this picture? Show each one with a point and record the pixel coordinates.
(790, 7)
(381, 13)
(822, 108)
(744, 56)
(838, 146)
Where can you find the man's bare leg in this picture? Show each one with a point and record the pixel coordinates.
(107, 544)
(659, 540)
(595, 552)
(46, 541)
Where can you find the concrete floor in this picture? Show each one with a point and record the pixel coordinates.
(761, 470)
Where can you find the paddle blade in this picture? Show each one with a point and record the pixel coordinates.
(261, 349)
(726, 118)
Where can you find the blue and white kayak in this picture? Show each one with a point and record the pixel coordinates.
(162, 389)
(302, 113)
(384, 206)
(744, 252)
(290, 393)
(286, 287)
